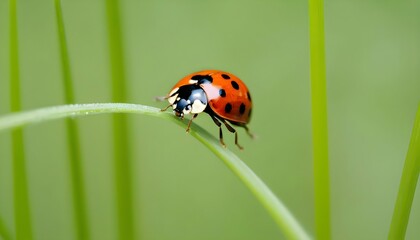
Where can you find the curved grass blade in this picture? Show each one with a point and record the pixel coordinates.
(408, 184)
(282, 216)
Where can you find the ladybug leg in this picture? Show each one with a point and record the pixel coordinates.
(232, 130)
(189, 123)
(251, 135)
(161, 98)
(220, 130)
(164, 109)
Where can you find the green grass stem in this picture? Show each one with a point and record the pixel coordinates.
(282, 216)
(64, 55)
(76, 171)
(319, 120)
(23, 225)
(122, 161)
(408, 184)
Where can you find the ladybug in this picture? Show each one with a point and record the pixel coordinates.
(222, 95)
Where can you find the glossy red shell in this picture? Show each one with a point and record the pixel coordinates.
(234, 104)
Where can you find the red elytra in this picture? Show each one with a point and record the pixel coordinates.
(220, 94)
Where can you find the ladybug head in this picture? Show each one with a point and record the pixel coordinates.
(188, 99)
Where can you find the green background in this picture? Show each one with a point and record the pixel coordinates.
(181, 190)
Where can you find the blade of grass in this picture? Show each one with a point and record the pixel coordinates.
(122, 161)
(76, 171)
(408, 184)
(23, 225)
(282, 216)
(319, 120)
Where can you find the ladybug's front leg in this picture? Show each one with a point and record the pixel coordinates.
(189, 123)
(164, 109)
(161, 98)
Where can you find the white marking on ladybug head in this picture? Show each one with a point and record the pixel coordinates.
(187, 109)
(171, 99)
(192, 81)
(198, 106)
(173, 106)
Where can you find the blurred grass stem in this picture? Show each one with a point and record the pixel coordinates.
(23, 227)
(76, 171)
(408, 184)
(122, 161)
(319, 120)
(4, 232)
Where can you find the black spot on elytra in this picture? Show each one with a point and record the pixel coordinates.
(203, 79)
(248, 95)
(235, 85)
(225, 76)
(242, 109)
(222, 93)
(228, 108)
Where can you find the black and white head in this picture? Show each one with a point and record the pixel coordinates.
(188, 99)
